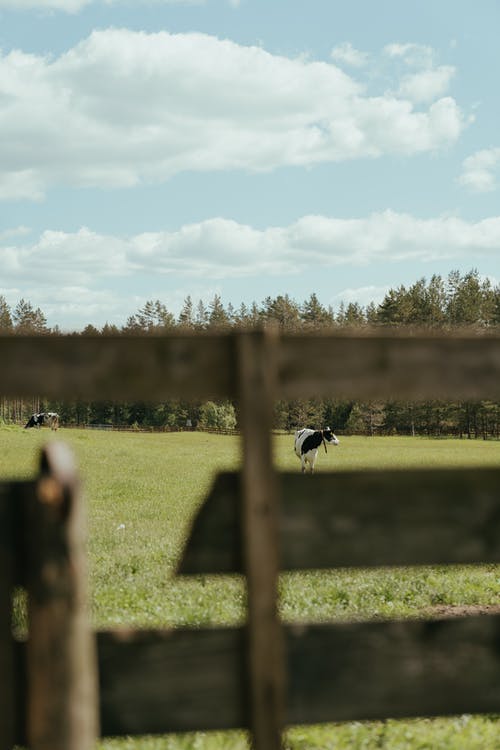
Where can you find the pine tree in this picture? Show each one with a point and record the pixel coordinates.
(217, 316)
(201, 317)
(314, 315)
(152, 318)
(186, 315)
(351, 315)
(6, 325)
(470, 301)
(28, 320)
(283, 311)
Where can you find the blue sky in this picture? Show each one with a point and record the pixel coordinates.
(156, 149)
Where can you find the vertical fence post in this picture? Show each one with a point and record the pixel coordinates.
(61, 663)
(8, 685)
(257, 352)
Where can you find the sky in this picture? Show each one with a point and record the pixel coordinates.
(155, 149)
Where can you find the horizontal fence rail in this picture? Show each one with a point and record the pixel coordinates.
(156, 682)
(117, 368)
(195, 679)
(384, 366)
(419, 366)
(359, 519)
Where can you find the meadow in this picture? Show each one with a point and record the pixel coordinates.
(142, 491)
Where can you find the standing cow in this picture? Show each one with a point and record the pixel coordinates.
(307, 443)
(43, 419)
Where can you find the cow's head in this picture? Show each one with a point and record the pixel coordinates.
(329, 437)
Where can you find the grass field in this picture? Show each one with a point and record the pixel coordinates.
(142, 491)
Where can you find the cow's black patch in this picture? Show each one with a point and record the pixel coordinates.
(312, 441)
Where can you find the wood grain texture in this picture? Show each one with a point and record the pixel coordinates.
(260, 509)
(153, 682)
(8, 676)
(361, 366)
(13, 496)
(393, 670)
(61, 663)
(385, 366)
(363, 519)
(116, 368)
(186, 680)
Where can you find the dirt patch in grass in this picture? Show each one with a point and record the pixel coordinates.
(462, 610)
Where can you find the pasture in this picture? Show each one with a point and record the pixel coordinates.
(142, 491)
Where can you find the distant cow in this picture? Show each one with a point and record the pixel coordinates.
(307, 443)
(44, 419)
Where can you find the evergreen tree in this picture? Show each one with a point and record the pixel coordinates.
(371, 314)
(351, 315)
(201, 317)
(90, 330)
(306, 413)
(154, 317)
(283, 311)
(495, 304)
(6, 324)
(314, 315)
(255, 317)
(231, 314)
(186, 315)
(470, 301)
(217, 316)
(28, 320)
(366, 418)
(395, 308)
(241, 316)
(109, 329)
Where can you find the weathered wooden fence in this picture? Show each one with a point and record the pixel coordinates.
(67, 684)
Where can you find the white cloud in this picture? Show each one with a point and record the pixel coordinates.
(7, 234)
(22, 183)
(69, 6)
(427, 85)
(346, 53)
(413, 55)
(479, 170)
(74, 6)
(125, 107)
(363, 295)
(426, 81)
(221, 248)
(84, 276)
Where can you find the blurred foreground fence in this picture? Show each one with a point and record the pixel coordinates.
(67, 684)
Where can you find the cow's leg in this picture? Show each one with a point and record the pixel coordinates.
(312, 459)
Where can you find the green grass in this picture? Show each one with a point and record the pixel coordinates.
(142, 491)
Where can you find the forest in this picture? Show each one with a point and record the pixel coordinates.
(459, 301)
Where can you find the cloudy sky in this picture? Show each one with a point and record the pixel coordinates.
(151, 149)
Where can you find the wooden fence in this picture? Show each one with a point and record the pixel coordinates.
(67, 684)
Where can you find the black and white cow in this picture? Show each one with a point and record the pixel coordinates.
(43, 419)
(307, 443)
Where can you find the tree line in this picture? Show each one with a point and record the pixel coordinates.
(457, 301)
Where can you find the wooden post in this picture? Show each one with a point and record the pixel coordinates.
(8, 684)
(256, 376)
(61, 662)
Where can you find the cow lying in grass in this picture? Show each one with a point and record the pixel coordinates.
(307, 443)
(44, 419)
